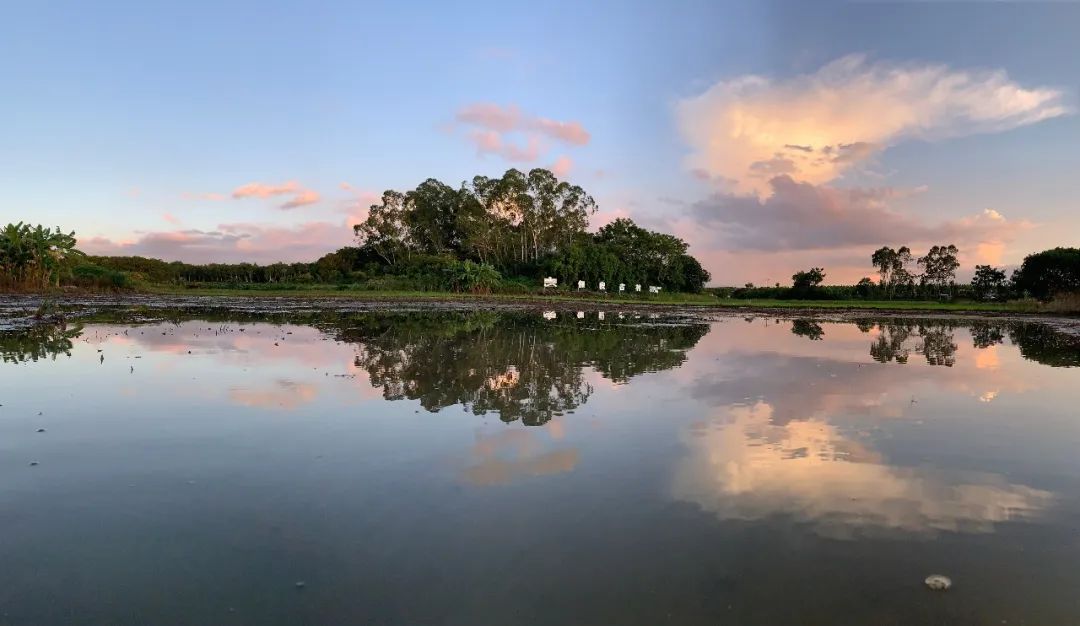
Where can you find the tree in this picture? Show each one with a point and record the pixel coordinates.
(939, 266)
(1049, 272)
(988, 283)
(805, 281)
(431, 214)
(891, 265)
(864, 288)
(385, 230)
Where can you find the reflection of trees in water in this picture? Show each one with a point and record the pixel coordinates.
(37, 342)
(808, 328)
(521, 367)
(985, 334)
(889, 344)
(936, 342)
(1039, 342)
(937, 345)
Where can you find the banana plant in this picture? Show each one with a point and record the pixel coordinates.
(35, 257)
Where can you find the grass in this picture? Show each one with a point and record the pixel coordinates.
(677, 299)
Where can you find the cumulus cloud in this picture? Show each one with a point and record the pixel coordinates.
(514, 135)
(815, 127)
(801, 216)
(300, 196)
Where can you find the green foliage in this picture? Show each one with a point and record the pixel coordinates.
(479, 278)
(42, 341)
(988, 283)
(939, 265)
(1048, 273)
(34, 258)
(805, 281)
(892, 268)
(529, 225)
(438, 238)
(93, 276)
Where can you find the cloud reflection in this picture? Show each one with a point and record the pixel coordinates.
(743, 466)
(510, 454)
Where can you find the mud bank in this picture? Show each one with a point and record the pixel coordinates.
(21, 311)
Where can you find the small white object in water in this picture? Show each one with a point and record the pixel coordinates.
(937, 582)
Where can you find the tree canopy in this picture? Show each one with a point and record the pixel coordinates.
(522, 224)
(1050, 272)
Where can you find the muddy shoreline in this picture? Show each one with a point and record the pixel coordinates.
(21, 311)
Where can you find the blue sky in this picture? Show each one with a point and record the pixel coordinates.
(135, 123)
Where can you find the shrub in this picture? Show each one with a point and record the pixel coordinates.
(91, 276)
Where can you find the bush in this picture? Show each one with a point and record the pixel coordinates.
(90, 276)
(478, 278)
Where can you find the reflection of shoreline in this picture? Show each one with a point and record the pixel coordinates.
(742, 466)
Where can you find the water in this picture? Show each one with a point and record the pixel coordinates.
(502, 469)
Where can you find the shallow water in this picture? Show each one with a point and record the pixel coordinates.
(454, 468)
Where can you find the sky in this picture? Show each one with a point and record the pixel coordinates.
(771, 136)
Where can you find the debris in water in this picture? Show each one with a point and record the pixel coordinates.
(300, 584)
(33, 463)
(937, 582)
(41, 430)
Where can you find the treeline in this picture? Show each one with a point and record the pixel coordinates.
(1044, 275)
(488, 234)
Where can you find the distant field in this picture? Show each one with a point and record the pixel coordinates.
(679, 299)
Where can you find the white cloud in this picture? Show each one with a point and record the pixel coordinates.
(815, 127)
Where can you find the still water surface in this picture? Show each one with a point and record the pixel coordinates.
(510, 469)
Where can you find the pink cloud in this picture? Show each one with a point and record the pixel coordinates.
(260, 190)
(231, 243)
(486, 140)
(818, 126)
(803, 216)
(357, 205)
(490, 142)
(303, 198)
(491, 116)
(568, 132)
(497, 129)
(562, 166)
(170, 218)
(300, 196)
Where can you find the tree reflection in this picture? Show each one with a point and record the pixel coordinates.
(936, 342)
(519, 366)
(937, 345)
(890, 343)
(38, 342)
(1046, 345)
(808, 328)
(986, 334)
